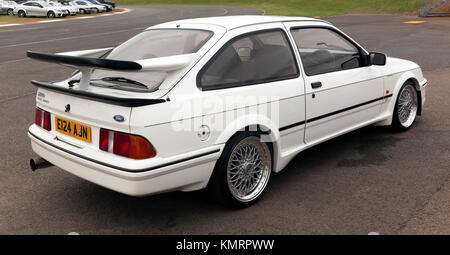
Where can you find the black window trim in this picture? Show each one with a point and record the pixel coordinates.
(362, 52)
(247, 83)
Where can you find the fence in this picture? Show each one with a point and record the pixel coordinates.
(429, 8)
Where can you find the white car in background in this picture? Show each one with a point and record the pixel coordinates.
(215, 102)
(7, 7)
(73, 10)
(95, 8)
(86, 7)
(38, 9)
(60, 7)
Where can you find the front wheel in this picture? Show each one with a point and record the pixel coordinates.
(82, 11)
(21, 14)
(242, 172)
(51, 15)
(406, 107)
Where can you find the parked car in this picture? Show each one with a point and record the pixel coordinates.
(113, 4)
(7, 7)
(83, 7)
(220, 102)
(107, 6)
(71, 7)
(86, 7)
(38, 9)
(60, 7)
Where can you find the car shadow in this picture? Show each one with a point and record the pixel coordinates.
(166, 213)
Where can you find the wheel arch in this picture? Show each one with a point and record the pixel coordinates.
(254, 123)
(416, 83)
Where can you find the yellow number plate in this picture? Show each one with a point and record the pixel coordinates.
(73, 129)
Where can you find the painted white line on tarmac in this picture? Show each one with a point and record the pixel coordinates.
(13, 61)
(72, 37)
(22, 29)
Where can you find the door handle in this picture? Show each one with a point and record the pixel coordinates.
(316, 85)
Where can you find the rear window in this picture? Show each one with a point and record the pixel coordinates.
(149, 44)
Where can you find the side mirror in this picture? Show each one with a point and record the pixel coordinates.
(378, 59)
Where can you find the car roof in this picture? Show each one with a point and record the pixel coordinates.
(231, 22)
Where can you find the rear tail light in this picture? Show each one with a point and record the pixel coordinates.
(42, 119)
(126, 145)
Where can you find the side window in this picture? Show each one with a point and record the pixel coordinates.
(324, 51)
(250, 59)
(29, 4)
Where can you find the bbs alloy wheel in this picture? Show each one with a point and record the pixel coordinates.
(243, 171)
(406, 107)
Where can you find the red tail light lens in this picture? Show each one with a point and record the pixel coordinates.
(46, 124)
(126, 145)
(38, 117)
(104, 139)
(42, 119)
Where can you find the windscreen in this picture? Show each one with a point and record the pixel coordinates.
(149, 44)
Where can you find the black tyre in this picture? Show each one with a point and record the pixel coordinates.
(51, 15)
(243, 171)
(10, 12)
(21, 14)
(96, 10)
(406, 107)
(82, 11)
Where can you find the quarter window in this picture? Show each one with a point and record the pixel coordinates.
(250, 59)
(324, 51)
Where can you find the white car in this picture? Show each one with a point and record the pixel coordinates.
(7, 7)
(71, 7)
(93, 8)
(38, 9)
(61, 7)
(215, 102)
(83, 7)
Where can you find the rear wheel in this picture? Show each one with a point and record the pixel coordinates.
(10, 12)
(21, 14)
(82, 11)
(406, 107)
(96, 10)
(51, 15)
(243, 171)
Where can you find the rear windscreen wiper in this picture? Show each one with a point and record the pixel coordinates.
(123, 79)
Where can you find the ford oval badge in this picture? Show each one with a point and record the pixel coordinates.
(119, 118)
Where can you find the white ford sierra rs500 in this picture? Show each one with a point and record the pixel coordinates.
(215, 102)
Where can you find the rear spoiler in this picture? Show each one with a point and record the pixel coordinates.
(122, 101)
(87, 64)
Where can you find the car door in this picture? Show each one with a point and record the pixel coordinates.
(40, 10)
(254, 73)
(342, 90)
(30, 9)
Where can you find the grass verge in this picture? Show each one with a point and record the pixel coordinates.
(300, 7)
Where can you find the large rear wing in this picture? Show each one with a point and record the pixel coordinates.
(85, 65)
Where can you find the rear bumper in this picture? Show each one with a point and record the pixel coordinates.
(193, 173)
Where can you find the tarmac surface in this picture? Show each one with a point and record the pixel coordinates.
(370, 180)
